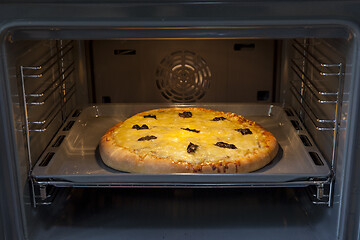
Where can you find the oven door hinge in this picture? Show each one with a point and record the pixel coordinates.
(321, 193)
(42, 194)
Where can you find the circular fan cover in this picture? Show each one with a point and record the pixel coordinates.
(183, 76)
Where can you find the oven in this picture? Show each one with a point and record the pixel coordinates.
(72, 70)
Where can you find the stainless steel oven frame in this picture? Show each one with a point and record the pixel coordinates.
(210, 19)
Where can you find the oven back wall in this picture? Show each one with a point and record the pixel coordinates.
(183, 70)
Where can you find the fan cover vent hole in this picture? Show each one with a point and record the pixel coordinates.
(183, 76)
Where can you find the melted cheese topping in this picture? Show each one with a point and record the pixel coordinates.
(172, 141)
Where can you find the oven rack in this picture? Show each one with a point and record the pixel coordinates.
(72, 159)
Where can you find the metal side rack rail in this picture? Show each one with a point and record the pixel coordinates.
(309, 72)
(47, 91)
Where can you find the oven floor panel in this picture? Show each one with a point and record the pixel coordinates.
(178, 214)
(137, 233)
(77, 161)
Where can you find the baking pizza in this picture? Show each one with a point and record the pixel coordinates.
(187, 140)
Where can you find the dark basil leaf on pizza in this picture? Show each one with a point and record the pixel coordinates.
(225, 145)
(185, 114)
(190, 130)
(218, 119)
(244, 131)
(137, 127)
(150, 116)
(147, 138)
(192, 147)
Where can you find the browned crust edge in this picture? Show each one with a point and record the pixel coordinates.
(124, 159)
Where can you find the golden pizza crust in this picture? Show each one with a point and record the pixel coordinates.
(128, 160)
